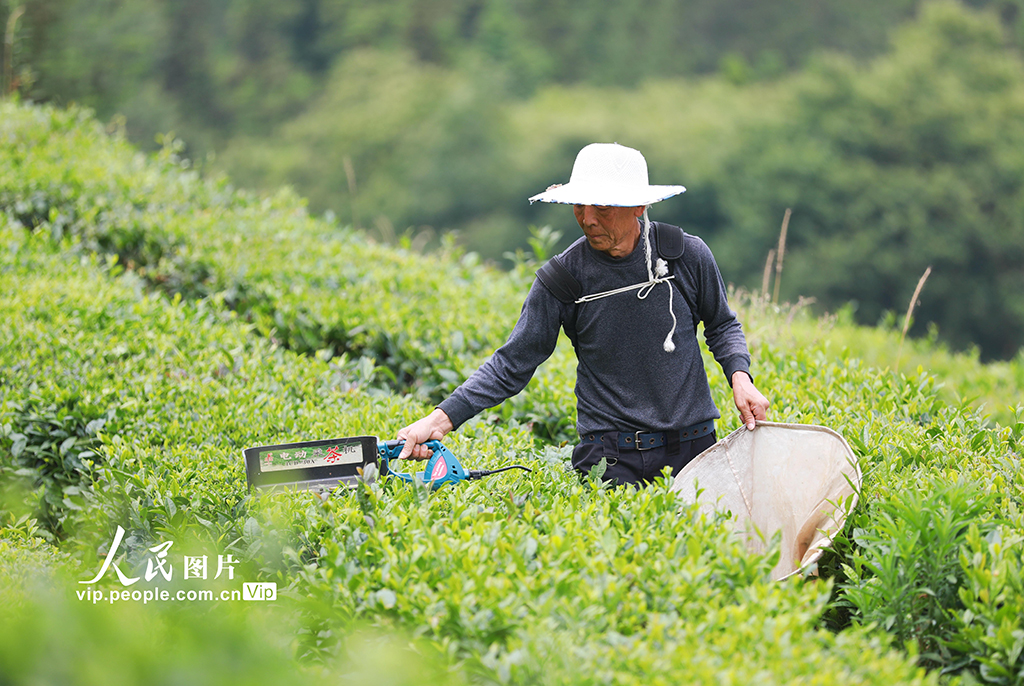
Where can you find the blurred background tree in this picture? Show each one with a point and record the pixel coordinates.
(892, 128)
(914, 160)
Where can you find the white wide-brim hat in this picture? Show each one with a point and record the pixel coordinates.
(608, 174)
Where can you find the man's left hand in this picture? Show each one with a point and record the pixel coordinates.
(752, 405)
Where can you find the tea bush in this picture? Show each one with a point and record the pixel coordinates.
(310, 285)
(995, 386)
(891, 583)
(990, 629)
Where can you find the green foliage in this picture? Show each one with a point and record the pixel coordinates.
(909, 162)
(222, 69)
(419, 148)
(891, 583)
(991, 386)
(284, 282)
(991, 627)
(49, 636)
(53, 448)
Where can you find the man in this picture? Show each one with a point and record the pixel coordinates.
(643, 401)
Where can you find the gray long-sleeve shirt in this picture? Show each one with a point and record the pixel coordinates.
(625, 380)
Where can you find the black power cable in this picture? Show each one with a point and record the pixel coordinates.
(472, 474)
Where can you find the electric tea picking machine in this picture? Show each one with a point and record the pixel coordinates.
(324, 465)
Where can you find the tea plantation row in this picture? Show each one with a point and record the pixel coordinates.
(130, 384)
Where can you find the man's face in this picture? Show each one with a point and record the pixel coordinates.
(612, 230)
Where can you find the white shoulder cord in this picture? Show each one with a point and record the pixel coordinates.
(661, 269)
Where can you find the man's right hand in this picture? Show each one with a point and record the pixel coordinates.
(433, 427)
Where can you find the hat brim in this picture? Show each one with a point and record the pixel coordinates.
(615, 196)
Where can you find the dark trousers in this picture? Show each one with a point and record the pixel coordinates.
(638, 467)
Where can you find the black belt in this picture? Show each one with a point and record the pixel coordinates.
(645, 441)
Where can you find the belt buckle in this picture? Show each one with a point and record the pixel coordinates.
(637, 443)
